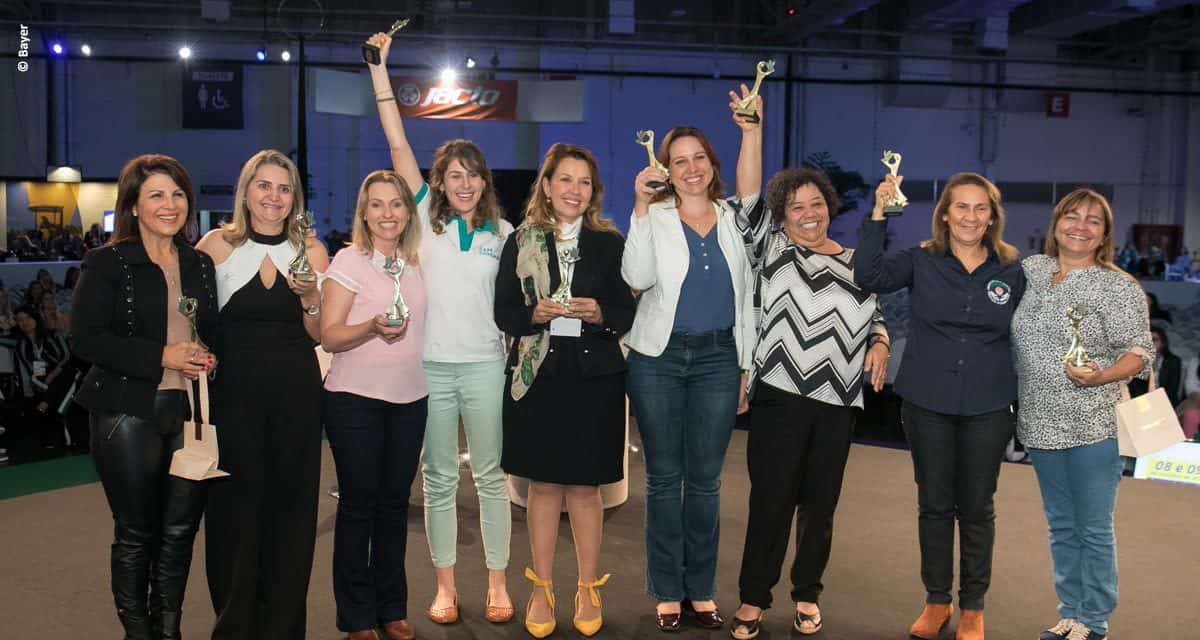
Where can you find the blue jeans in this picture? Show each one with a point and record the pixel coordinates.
(376, 445)
(1079, 493)
(685, 401)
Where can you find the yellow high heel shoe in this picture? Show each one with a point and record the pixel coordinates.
(590, 627)
(540, 629)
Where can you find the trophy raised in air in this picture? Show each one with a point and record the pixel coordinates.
(894, 206)
(370, 52)
(645, 137)
(397, 312)
(747, 107)
(299, 267)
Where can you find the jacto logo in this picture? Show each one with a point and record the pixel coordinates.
(458, 96)
(409, 94)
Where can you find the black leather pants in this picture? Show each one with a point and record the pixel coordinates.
(156, 514)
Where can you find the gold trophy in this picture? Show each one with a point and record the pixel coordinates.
(299, 267)
(567, 257)
(397, 312)
(188, 307)
(895, 206)
(645, 137)
(1077, 357)
(747, 107)
(370, 52)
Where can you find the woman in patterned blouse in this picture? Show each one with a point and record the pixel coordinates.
(820, 338)
(1066, 417)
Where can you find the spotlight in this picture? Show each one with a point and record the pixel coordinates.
(260, 54)
(470, 62)
(449, 75)
(185, 52)
(285, 55)
(791, 11)
(85, 49)
(57, 48)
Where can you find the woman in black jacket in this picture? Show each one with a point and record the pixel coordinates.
(41, 356)
(143, 356)
(559, 293)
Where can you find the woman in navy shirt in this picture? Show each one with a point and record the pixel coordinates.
(957, 381)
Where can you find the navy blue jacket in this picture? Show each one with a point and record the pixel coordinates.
(958, 357)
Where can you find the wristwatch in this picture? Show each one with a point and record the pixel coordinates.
(313, 310)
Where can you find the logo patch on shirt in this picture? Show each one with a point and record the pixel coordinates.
(488, 251)
(999, 292)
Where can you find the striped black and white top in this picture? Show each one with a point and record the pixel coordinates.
(814, 324)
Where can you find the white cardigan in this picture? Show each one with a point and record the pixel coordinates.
(656, 261)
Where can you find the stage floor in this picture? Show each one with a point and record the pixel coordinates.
(54, 558)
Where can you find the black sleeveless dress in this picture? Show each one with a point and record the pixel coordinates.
(261, 521)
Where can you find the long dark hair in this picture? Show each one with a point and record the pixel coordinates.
(129, 187)
(40, 332)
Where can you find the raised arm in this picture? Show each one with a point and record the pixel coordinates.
(404, 161)
(873, 271)
(749, 164)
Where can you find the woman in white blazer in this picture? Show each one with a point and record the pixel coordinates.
(691, 344)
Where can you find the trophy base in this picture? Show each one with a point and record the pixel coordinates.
(396, 322)
(748, 116)
(370, 54)
(657, 185)
(893, 210)
(304, 277)
(1078, 370)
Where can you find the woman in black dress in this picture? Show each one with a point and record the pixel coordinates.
(564, 406)
(261, 524)
(142, 361)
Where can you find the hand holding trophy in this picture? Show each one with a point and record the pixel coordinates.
(894, 206)
(645, 137)
(299, 268)
(397, 312)
(747, 107)
(371, 50)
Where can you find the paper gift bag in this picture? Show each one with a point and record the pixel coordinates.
(198, 458)
(1146, 424)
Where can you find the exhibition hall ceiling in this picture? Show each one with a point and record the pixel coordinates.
(1158, 35)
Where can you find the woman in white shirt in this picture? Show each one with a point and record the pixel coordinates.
(691, 344)
(462, 236)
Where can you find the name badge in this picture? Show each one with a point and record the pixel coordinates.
(39, 368)
(566, 327)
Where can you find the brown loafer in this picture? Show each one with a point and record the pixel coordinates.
(444, 615)
(399, 630)
(365, 634)
(709, 619)
(931, 621)
(970, 625)
(668, 622)
(495, 614)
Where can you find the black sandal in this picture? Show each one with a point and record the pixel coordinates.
(801, 618)
(745, 629)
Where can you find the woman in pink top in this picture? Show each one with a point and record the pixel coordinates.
(374, 406)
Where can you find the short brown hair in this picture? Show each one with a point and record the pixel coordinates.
(716, 188)
(783, 184)
(939, 244)
(129, 187)
(1073, 201)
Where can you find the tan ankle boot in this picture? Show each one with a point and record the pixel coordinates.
(933, 619)
(970, 625)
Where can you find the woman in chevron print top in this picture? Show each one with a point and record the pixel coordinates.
(819, 336)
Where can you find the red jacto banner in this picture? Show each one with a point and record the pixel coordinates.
(459, 100)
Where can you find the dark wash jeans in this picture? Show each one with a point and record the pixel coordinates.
(685, 401)
(956, 460)
(376, 446)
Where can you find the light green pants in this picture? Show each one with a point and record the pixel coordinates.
(474, 391)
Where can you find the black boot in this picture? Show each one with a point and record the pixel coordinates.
(170, 625)
(131, 558)
(184, 507)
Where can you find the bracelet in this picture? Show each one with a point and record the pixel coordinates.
(313, 310)
(878, 339)
(387, 99)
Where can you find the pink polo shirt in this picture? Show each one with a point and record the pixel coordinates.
(376, 369)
